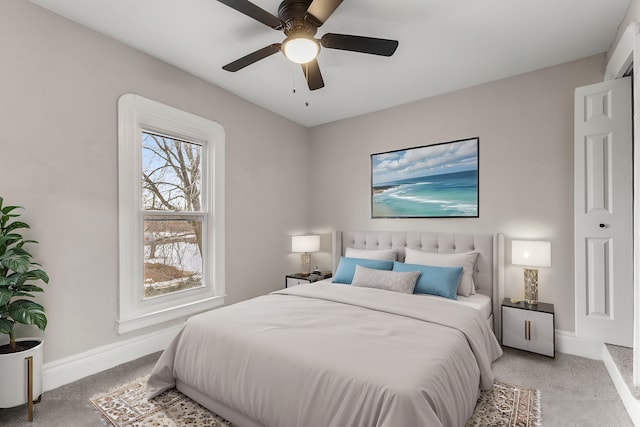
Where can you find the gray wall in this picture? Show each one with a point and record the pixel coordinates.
(525, 125)
(60, 85)
(58, 97)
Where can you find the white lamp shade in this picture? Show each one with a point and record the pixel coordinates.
(531, 253)
(305, 243)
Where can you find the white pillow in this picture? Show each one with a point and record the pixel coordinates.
(383, 279)
(466, 260)
(378, 254)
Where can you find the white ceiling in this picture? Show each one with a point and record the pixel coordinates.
(445, 45)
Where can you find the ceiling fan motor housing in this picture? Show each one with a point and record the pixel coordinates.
(292, 13)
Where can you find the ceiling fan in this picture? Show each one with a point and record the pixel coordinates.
(299, 20)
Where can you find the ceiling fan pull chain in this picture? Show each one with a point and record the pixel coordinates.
(293, 77)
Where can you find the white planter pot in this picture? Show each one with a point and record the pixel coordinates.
(13, 372)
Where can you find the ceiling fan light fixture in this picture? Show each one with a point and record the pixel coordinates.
(299, 20)
(300, 49)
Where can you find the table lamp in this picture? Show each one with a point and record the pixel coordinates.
(305, 245)
(531, 254)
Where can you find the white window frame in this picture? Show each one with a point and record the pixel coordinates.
(137, 114)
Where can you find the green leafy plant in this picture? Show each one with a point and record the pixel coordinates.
(18, 273)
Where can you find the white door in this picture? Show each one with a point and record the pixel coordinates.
(603, 212)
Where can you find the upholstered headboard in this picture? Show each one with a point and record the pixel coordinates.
(485, 274)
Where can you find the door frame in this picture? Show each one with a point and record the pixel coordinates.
(626, 53)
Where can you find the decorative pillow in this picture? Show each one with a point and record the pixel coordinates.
(466, 260)
(388, 254)
(388, 280)
(441, 281)
(347, 268)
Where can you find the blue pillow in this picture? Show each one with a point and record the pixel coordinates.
(347, 268)
(441, 281)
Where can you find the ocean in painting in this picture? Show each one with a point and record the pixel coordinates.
(445, 195)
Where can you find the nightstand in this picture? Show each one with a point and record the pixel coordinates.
(301, 279)
(529, 327)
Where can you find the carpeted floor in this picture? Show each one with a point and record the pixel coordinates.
(575, 392)
(623, 358)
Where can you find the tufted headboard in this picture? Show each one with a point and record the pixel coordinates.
(485, 276)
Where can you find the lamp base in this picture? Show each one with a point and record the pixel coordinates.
(306, 263)
(531, 286)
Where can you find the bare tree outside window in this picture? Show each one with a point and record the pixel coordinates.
(172, 214)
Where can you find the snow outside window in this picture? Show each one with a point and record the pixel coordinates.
(171, 213)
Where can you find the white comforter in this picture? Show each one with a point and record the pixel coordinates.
(336, 355)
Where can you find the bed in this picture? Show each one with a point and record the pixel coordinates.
(328, 354)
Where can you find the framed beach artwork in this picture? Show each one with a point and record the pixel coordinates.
(431, 181)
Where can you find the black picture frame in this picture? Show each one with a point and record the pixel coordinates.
(439, 180)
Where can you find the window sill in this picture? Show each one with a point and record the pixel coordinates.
(157, 317)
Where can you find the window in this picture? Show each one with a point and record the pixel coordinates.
(171, 213)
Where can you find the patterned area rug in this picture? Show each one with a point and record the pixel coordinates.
(128, 406)
(504, 405)
(507, 405)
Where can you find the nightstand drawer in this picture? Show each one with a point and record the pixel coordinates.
(528, 328)
(293, 281)
(301, 278)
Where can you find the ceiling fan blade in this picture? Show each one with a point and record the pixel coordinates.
(320, 10)
(362, 44)
(313, 75)
(255, 12)
(252, 57)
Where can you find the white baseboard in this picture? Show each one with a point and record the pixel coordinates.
(66, 370)
(568, 342)
(631, 404)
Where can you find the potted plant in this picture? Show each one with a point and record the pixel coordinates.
(19, 279)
